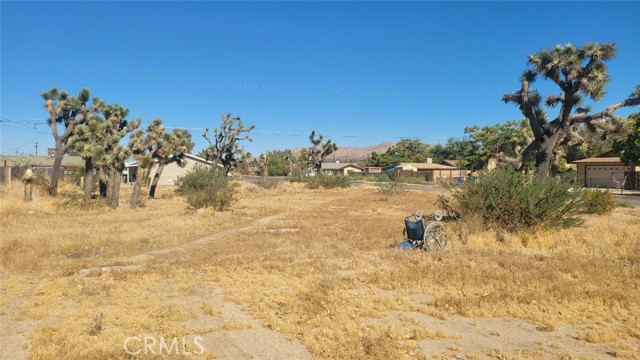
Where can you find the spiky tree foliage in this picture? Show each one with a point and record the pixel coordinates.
(630, 146)
(68, 111)
(142, 146)
(224, 148)
(111, 163)
(170, 147)
(87, 142)
(319, 150)
(580, 73)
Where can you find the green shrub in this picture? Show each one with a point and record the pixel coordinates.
(328, 181)
(506, 199)
(268, 183)
(413, 180)
(598, 202)
(389, 188)
(207, 186)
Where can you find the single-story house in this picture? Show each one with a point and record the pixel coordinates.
(450, 162)
(429, 170)
(41, 165)
(340, 168)
(170, 173)
(606, 172)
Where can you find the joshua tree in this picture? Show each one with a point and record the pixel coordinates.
(87, 141)
(142, 147)
(318, 150)
(112, 160)
(224, 148)
(580, 73)
(69, 111)
(170, 147)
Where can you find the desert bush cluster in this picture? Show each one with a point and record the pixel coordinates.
(207, 187)
(509, 200)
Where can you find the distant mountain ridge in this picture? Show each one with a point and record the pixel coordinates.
(352, 153)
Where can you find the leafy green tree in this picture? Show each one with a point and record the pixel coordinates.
(318, 151)
(278, 164)
(224, 148)
(69, 111)
(466, 151)
(405, 151)
(580, 73)
(502, 142)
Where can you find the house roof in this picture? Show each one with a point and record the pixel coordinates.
(601, 160)
(423, 166)
(338, 166)
(40, 161)
(451, 162)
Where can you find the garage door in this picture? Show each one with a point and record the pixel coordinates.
(602, 176)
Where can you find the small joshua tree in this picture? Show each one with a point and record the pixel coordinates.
(319, 150)
(224, 148)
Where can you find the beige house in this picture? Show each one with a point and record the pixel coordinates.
(606, 172)
(340, 169)
(429, 170)
(170, 173)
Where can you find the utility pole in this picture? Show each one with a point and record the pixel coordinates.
(36, 148)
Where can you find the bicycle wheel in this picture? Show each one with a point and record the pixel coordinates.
(435, 237)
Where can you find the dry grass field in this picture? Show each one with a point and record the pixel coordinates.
(296, 273)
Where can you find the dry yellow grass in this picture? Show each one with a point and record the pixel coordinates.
(320, 268)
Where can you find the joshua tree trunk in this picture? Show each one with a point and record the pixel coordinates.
(156, 179)
(114, 188)
(57, 163)
(544, 157)
(88, 178)
(103, 182)
(137, 187)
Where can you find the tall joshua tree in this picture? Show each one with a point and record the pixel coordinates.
(224, 148)
(69, 111)
(580, 73)
(319, 150)
(87, 141)
(170, 147)
(114, 155)
(142, 147)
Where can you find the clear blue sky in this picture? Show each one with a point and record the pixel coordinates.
(361, 73)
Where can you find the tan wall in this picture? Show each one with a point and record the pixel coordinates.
(581, 171)
(172, 171)
(449, 174)
(348, 170)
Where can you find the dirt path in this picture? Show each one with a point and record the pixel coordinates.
(252, 341)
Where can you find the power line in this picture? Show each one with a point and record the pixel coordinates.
(207, 81)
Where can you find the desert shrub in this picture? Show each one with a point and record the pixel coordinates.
(389, 188)
(413, 180)
(598, 202)
(207, 186)
(506, 199)
(328, 181)
(75, 200)
(268, 183)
